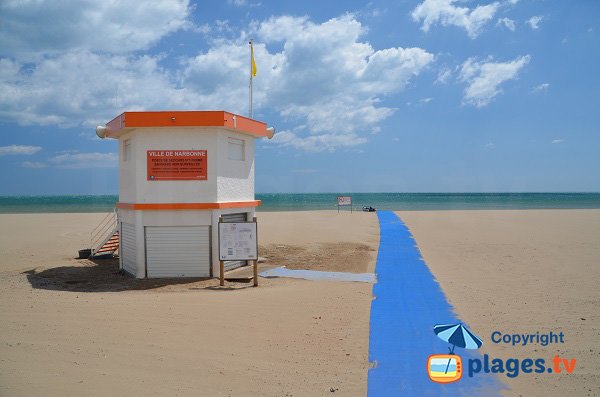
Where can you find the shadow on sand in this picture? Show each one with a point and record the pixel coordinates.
(102, 275)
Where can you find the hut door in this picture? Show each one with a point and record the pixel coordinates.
(178, 251)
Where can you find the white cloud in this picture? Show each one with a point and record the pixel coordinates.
(242, 3)
(222, 25)
(84, 160)
(33, 164)
(18, 150)
(331, 81)
(204, 28)
(76, 69)
(444, 12)
(443, 76)
(83, 87)
(507, 23)
(376, 12)
(74, 159)
(48, 27)
(322, 76)
(425, 101)
(318, 143)
(556, 141)
(337, 114)
(490, 145)
(219, 77)
(484, 78)
(541, 88)
(534, 22)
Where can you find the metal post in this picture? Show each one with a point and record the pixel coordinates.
(250, 83)
(256, 260)
(221, 263)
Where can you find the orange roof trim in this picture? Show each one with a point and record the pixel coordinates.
(196, 118)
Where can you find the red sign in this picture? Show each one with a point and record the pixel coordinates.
(177, 165)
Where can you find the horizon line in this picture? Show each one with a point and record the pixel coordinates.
(339, 192)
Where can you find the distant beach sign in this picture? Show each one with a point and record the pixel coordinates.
(344, 200)
(177, 165)
(237, 241)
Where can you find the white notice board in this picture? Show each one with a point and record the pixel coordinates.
(237, 241)
(344, 200)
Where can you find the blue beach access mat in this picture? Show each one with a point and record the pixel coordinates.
(407, 303)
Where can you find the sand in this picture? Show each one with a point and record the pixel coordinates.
(75, 327)
(30, 240)
(321, 240)
(522, 272)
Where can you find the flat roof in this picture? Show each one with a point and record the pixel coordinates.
(127, 121)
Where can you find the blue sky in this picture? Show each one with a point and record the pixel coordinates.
(384, 96)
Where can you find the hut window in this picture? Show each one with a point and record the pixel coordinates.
(235, 148)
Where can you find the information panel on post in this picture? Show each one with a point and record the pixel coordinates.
(344, 201)
(238, 241)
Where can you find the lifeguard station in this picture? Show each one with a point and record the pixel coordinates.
(179, 172)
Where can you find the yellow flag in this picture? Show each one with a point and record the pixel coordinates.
(253, 71)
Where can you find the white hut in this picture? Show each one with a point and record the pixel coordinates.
(179, 171)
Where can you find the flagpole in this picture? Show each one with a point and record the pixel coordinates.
(250, 83)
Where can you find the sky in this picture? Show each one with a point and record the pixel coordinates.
(380, 96)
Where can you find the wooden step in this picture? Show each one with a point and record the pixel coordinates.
(239, 279)
(111, 245)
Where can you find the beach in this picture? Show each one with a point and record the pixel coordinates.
(70, 328)
(522, 272)
(75, 327)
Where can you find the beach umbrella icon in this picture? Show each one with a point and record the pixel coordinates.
(457, 335)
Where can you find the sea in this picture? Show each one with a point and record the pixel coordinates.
(328, 201)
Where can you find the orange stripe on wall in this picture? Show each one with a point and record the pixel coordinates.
(187, 206)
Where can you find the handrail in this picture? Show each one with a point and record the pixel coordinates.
(108, 217)
(101, 232)
(107, 222)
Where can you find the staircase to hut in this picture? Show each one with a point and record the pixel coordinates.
(105, 237)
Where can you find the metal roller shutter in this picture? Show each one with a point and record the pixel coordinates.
(127, 249)
(182, 251)
(230, 218)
